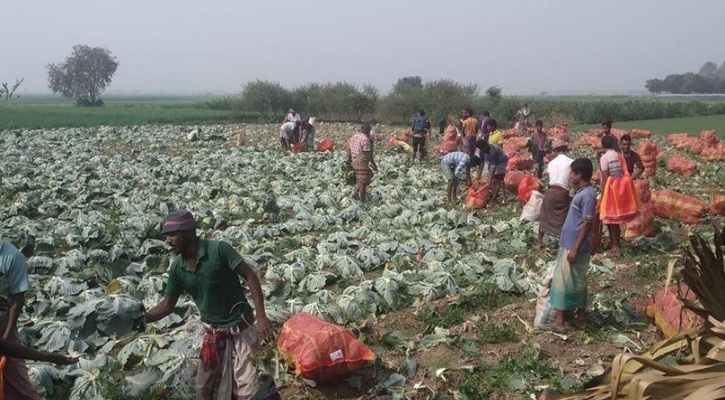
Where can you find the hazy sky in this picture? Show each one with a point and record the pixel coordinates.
(523, 46)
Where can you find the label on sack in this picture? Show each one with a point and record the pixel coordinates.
(336, 355)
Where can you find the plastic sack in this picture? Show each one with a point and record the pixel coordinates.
(478, 194)
(671, 205)
(681, 165)
(669, 313)
(326, 145)
(718, 204)
(642, 225)
(321, 351)
(528, 184)
(648, 153)
(532, 208)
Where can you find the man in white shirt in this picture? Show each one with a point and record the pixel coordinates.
(556, 199)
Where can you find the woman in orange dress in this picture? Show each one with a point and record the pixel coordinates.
(620, 202)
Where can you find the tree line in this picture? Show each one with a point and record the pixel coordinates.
(268, 101)
(709, 79)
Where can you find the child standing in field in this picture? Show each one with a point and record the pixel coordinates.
(569, 290)
(538, 146)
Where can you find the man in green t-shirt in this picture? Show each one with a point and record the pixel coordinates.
(209, 271)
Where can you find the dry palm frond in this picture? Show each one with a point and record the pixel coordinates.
(645, 376)
(704, 273)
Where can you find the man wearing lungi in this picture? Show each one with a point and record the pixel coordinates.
(556, 199)
(569, 292)
(209, 271)
(361, 158)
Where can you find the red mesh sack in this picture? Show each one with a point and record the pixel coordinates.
(450, 134)
(510, 150)
(715, 153)
(518, 142)
(640, 134)
(683, 141)
(669, 313)
(297, 147)
(510, 133)
(559, 132)
(671, 205)
(319, 350)
(477, 194)
(618, 133)
(446, 147)
(709, 138)
(681, 165)
(512, 179)
(642, 225)
(594, 142)
(648, 153)
(404, 135)
(718, 204)
(520, 162)
(528, 184)
(326, 145)
(596, 132)
(641, 186)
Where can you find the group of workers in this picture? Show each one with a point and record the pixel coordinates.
(290, 132)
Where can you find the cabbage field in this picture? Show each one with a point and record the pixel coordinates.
(421, 282)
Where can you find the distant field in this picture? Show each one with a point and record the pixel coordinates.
(693, 125)
(51, 112)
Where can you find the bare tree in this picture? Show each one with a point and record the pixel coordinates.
(8, 92)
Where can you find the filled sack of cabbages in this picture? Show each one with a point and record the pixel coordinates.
(681, 165)
(321, 351)
(668, 312)
(718, 204)
(671, 205)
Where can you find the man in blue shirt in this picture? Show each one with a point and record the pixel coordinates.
(569, 292)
